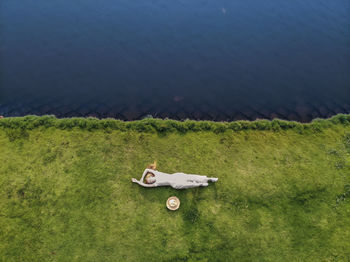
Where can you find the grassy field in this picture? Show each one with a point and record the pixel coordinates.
(66, 192)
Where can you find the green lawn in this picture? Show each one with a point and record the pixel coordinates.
(66, 192)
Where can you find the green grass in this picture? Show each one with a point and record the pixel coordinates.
(66, 192)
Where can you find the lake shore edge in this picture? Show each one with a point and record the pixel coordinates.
(167, 125)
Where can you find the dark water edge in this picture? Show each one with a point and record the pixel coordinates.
(204, 60)
(178, 109)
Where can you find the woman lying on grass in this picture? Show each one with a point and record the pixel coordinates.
(154, 178)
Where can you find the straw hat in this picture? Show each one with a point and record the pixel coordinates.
(173, 203)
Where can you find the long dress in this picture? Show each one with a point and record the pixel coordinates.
(176, 180)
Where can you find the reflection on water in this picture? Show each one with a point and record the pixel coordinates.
(199, 59)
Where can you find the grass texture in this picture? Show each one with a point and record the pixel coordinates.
(66, 192)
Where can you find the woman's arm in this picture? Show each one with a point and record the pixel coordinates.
(147, 170)
(141, 183)
(142, 177)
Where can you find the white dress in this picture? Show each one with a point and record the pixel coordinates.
(176, 180)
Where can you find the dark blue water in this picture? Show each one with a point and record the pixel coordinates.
(200, 59)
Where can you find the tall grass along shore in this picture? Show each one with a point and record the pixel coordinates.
(66, 192)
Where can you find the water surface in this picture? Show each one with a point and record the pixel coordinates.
(200, 59)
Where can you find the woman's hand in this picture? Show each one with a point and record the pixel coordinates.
(134, 180)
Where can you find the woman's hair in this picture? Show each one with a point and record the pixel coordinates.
(147, 176)
(153, 166)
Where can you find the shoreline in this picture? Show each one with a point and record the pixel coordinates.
(167, 125)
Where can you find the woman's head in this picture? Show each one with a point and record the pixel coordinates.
(150, 178)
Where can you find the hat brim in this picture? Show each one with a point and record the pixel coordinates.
(173, 208)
